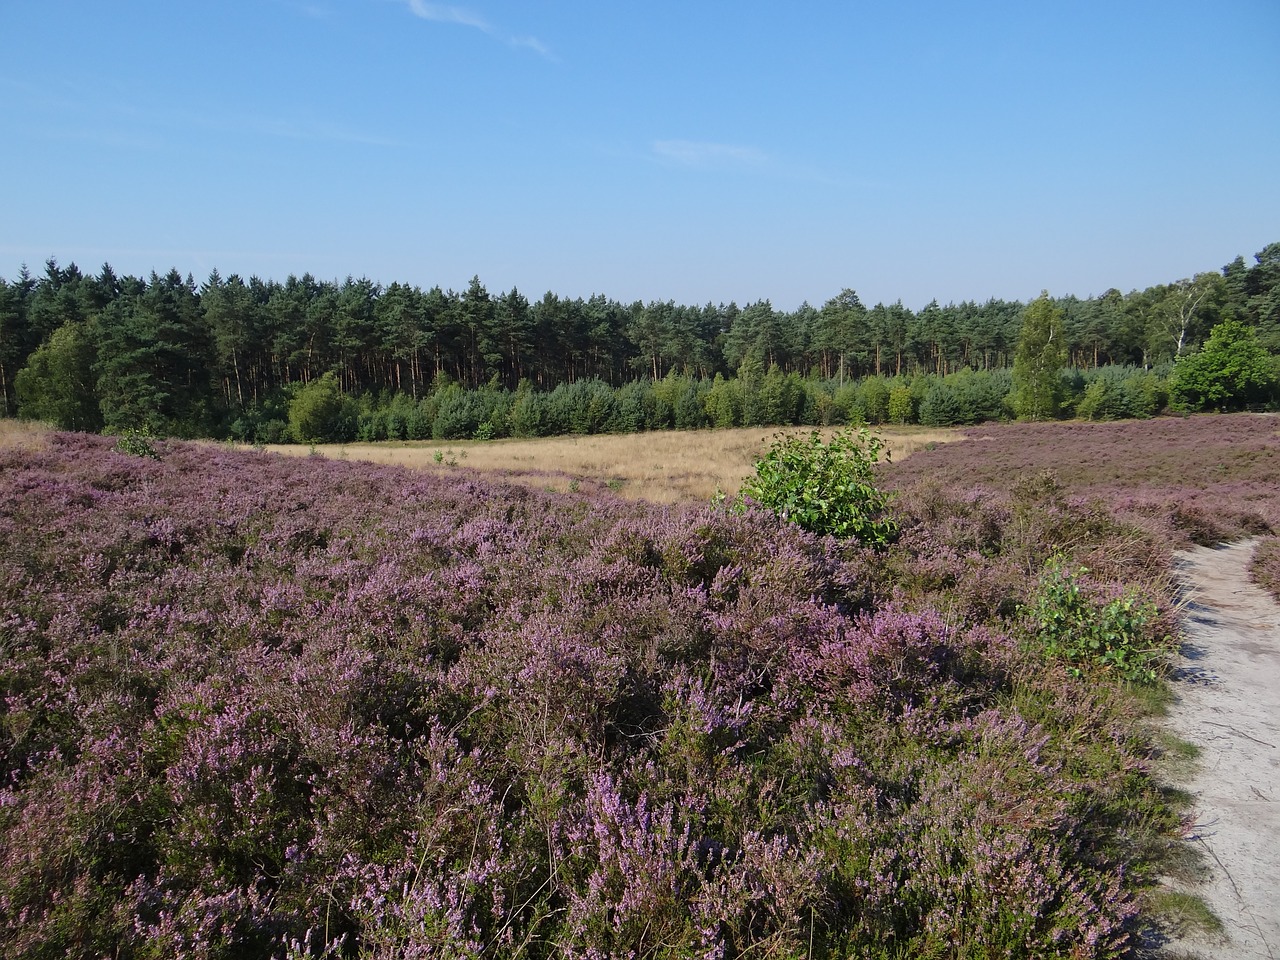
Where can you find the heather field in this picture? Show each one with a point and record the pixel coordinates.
(1201, 479)
(258, 706)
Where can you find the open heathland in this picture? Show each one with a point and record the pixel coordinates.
(1212, 476)
(260, 706)
(1200, 480)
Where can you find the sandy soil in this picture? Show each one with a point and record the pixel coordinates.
(1228, 704)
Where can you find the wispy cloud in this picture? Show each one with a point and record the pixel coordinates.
(735, 157)
(112, 137)
(709, 156)
(465, 17)
(448, 13)
(534, 44)
(115, 120)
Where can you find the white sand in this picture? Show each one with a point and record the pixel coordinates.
(1228, 704)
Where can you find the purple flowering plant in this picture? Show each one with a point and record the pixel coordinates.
(260, 707)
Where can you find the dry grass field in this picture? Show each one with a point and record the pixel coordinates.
(661, 467)
(22, 434)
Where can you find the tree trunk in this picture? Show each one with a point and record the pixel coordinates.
(235, 364)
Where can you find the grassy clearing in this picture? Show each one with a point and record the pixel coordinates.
(1179, 757)
(660, 467)
(23, 435)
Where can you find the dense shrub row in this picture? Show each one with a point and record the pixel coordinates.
(253, 706)
(320, 412)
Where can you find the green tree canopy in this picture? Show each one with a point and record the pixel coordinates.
(1230, 373)
(58, 385)
(319, 412)
(1041, 354)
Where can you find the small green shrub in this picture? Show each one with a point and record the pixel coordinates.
(825, 488)
(1112, 637)
(137, 443)
(319, 413)
(901, 405)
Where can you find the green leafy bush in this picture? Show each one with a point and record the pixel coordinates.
(902, 405)
(825, 488)
(874, 395)
(1110, 637)
(319, 413)
(137, 443)
(1232, 371)
(58, 384)
(1121, 393)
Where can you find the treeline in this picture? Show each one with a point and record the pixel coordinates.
(247, 359)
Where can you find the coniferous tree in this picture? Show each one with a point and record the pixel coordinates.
(1263, 288)
(15, 345)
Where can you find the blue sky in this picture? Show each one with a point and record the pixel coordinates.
(697, 151)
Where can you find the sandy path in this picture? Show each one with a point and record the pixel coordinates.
(1228, 704)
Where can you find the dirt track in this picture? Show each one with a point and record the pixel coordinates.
(1228, 704)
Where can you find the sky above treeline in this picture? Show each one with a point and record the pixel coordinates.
(691, 151)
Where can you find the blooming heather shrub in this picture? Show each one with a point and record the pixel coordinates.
(1203, 478)
(253, 707)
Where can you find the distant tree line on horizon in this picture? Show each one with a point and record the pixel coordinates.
(327, 360)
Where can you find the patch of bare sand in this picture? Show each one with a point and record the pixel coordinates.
(1227, 691)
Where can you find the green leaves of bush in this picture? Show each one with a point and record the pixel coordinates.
(1232, 371)
(321, 413)
(825, 488)
(1113, 637)
(137, 443)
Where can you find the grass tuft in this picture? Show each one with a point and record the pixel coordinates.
(1183, 914)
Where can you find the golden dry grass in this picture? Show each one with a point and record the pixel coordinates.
(23, 434)
(661, 467)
